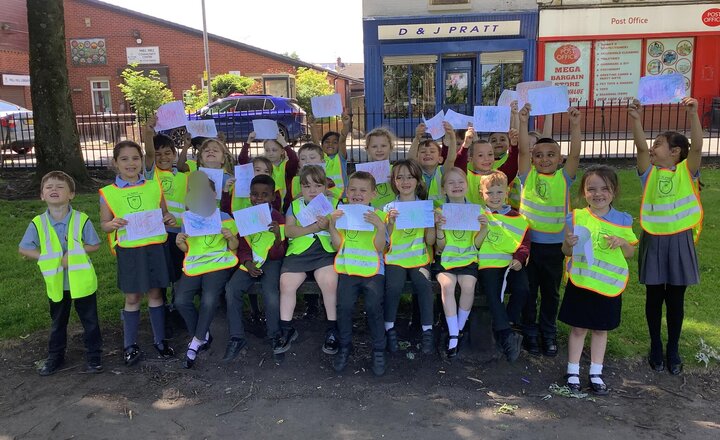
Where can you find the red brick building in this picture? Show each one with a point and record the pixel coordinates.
(102, 39)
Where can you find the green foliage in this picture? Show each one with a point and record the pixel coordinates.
(500, 77)
(311, 83)
(195, 99)
(227, 83)
(144, 93)
(292, 55)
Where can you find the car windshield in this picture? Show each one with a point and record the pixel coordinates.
(7, 107)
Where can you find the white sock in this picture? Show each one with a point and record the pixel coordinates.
(389, 325)
(573, 369)
(193, 345)
(426, 328)
(462, 317)
(596, 369)
(452, 323)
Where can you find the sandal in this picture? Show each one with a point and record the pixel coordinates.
(574, 387)
(599, 389)
(452, 352)
(189, 363)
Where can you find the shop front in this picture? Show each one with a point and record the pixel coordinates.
(601, 53)
(416, 67)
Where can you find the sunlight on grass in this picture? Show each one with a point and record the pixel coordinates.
(24, 309)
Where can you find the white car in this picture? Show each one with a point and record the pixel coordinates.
(16, 128)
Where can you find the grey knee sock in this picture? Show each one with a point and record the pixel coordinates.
(157, 320)
(131, 323)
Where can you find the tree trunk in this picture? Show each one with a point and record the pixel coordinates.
(57, 146)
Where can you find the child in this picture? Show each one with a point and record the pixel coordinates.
(409, 255)
(261, 256)
(502, 257)
(284, 161)
(545, 203)
(229, 203)
(207, 264)
(309, 250)
(429, 155)
(360, 269)
(334, 145)
(482, 159)
(592, 298)
(60, 239)
(312, 154)
(458, 257)
(378, 145)
(141, 263)
(669, 212)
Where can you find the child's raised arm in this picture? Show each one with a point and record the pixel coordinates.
(315, 135)
(573, 160)
(696, 135)
(524, 141)
(419, 135)
(344, 132)
(451, 141)
(514, 116)
(148, 132)
(182, 165)
(641, 145)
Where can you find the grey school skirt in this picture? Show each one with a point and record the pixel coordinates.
(315, 257)
(668, 259)
(143, 268)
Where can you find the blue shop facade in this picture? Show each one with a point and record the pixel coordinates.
(417, 66)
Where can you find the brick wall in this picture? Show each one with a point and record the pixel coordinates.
(14, 62)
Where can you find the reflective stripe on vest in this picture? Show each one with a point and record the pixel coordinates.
(260, 243)
(209, 253)
(278, 175)
(474, 192)
(298, 245)
(459, 252)
(81, 274)
(514, 194)
(504, 238)
(408, 249)
(671, 202)
(174, 188)
(334, 170)
(608, 274)
(131, 199)
(434, 192)
(544, 201)
(357, 254)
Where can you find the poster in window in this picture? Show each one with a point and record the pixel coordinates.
(670, 55)
(568, 64)
(88, 51)
(617, 70)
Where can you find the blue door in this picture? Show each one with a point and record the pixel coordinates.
(459, 85)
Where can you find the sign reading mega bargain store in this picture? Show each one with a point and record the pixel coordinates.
(568, 64)
(640, 20)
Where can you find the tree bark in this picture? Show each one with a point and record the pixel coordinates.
(57, 145)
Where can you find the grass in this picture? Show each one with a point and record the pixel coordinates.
(23, 303)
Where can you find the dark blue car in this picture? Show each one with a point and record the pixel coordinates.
(233, 115)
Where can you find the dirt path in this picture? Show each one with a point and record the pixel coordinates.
(422, 398)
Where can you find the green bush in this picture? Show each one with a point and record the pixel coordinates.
(228, 83)
(311, 83)
(144, 93)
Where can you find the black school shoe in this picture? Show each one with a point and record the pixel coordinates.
(132, 355)
(391, 338)
(599, 389)
(452, 352)
(234, 346)
(340, 360)
(531, 345)
(427, 345)
(674, 365)
(285, 341)
(164, 349)
(573, 387)
(93, 367)
(550, 348)
(378, 363)
(51, 366)
(331, 344)
(511, 346)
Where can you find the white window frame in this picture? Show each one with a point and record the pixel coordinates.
(102, 89)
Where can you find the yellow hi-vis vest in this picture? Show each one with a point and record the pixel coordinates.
(500, 162)
(514, 192)
(435, 189)
(357, 254)
(608, 275)
(192, 165)
(260, 243)
(128, 200)
(544, 201)
(384, 195)
(296, 190)
(174, 188)
(408, 249)
(334, 170)
(209, 253)
(278, 175)
(298, 245)
(671, 202)
(81, 274)
(504, 237)
(460, 250)
(474, 192)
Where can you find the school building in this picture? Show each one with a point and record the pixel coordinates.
(600, 49)
(423, 56)
(103, 39)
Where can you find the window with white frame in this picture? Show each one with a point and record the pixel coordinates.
(100, 92)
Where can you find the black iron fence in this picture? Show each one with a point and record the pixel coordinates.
(606, 127)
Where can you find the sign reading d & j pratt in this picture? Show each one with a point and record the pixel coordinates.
(475, 29)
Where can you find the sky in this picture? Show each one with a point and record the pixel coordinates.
(319, 31)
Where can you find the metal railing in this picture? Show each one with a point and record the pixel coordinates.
(607, 131)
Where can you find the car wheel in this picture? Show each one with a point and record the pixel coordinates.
(283, 131)
(22, 150)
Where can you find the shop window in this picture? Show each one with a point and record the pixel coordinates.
(500, 71)
(670, 55)
(100, 92)
(409, 86)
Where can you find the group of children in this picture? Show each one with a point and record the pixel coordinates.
(527, 237)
